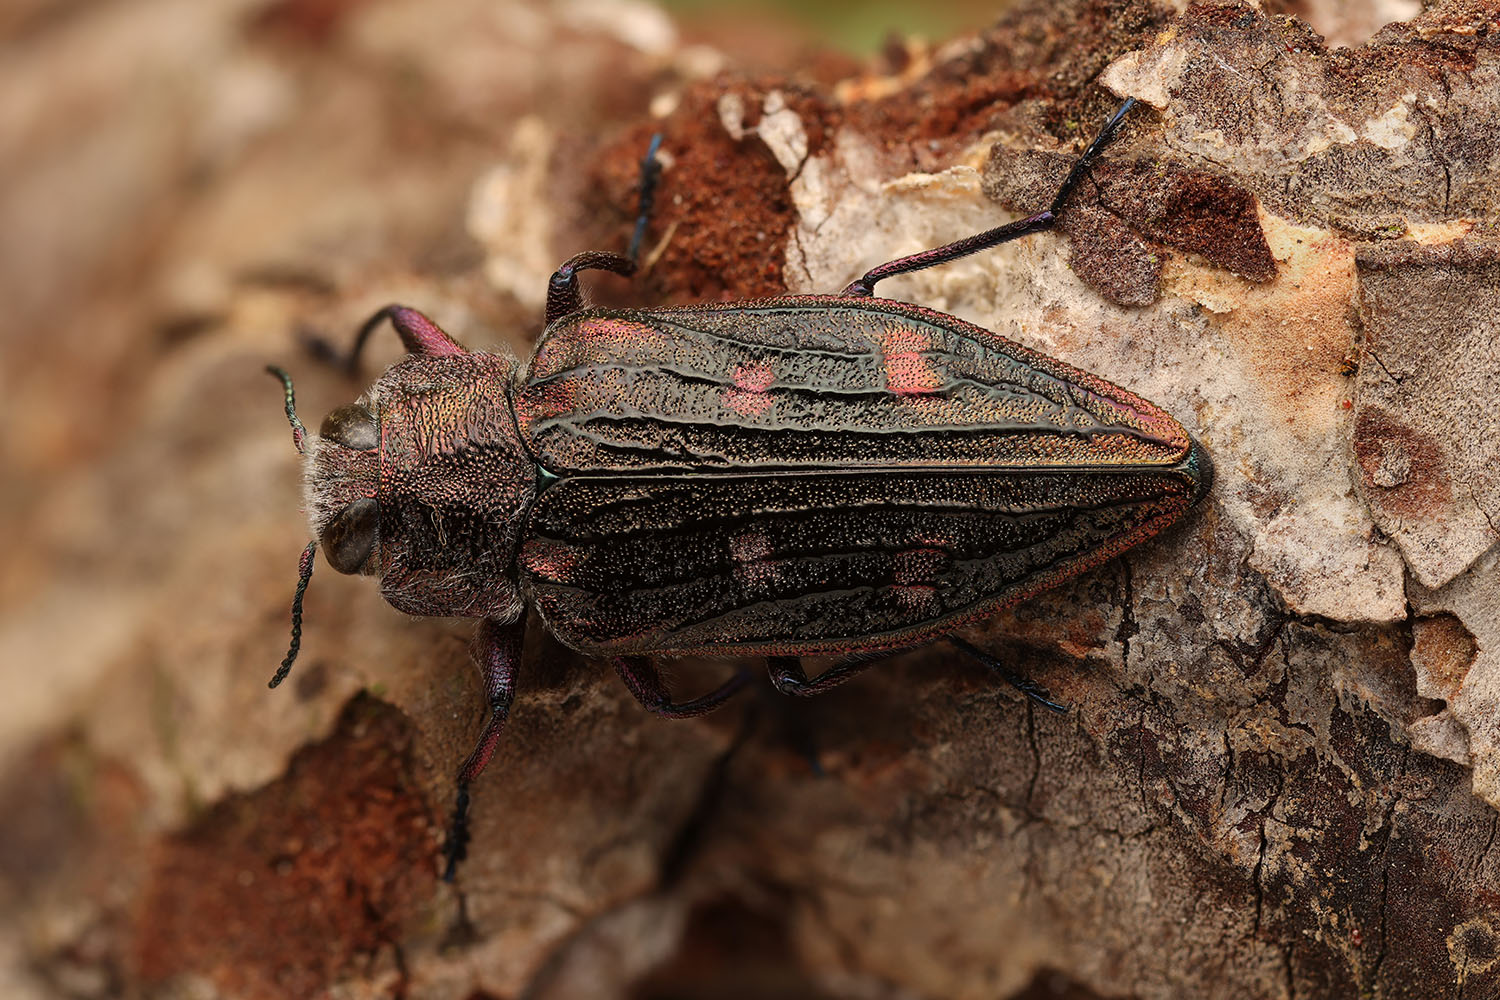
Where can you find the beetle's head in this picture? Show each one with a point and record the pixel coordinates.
(422, 482)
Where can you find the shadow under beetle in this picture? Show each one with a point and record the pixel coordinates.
(806, 475)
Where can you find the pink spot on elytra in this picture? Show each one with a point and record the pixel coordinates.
(914, 575)
(549, 560)
(756, 376)
(908, 368)
(749, 394)
(920, 598)
(751, 553)
(918, 566)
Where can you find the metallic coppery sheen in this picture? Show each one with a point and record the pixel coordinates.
(820, 474)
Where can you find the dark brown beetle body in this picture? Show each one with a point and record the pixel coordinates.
(820, 475)
(806, 475)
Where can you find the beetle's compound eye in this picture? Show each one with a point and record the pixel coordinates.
(351, 536)
(352, 426)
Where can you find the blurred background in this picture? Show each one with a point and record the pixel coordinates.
(856, 28)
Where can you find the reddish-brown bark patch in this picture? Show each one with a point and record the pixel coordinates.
(1445, 650)
(277, 892)
(1118, 220)
(1403, 465)
(1193, 211)
(722, 209)
(1108, 256)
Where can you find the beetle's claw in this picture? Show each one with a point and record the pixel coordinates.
(456, 847)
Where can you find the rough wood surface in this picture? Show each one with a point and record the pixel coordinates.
(1281, 773)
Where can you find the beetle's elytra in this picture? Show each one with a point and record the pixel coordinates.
(819, 474)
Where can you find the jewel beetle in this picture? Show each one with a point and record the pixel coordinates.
(832, 475)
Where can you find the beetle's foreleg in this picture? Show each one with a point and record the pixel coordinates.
(1029, 688)
(865, 286)
(419, 335)
(644, 681)
(497, 651)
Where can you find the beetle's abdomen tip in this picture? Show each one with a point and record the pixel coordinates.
(1200, 469)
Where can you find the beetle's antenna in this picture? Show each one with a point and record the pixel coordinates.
(304, 574)
(299, 432)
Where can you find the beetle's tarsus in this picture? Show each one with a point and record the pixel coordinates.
(1085, 160)
(1031, 689)
(796, 733)
(456, 846)
(325, 352)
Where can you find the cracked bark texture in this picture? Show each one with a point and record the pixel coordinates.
(1281, 770)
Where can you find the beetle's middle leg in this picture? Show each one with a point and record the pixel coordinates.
(865, 286)
(563, 295)
(789, 678)
(644, 681)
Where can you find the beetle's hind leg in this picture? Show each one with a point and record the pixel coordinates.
(788, 677)
(563, 294)
(644, 682)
